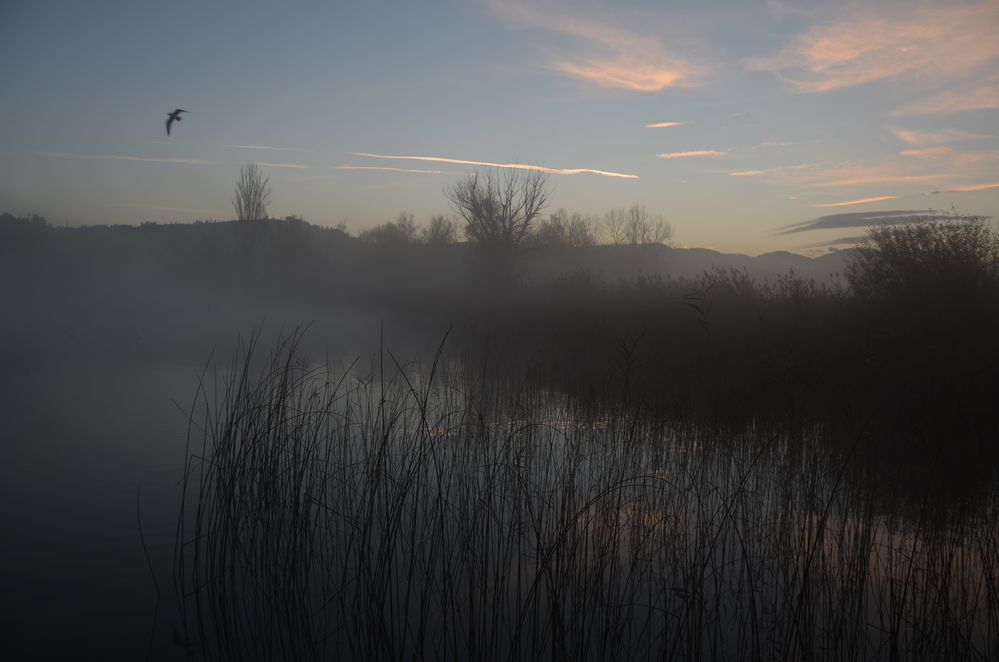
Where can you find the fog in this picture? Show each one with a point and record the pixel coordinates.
(138, 363)
(188, 287)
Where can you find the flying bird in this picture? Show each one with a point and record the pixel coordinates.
(175, 115)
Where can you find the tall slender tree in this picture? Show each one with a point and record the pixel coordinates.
(253, 193)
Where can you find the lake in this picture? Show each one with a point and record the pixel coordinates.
(382, 514)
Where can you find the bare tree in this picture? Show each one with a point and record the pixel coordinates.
(253, 193)
(500, 209)
(582, 230)
(614, 223)
(442, 230)
(636, 226)
(564, 229)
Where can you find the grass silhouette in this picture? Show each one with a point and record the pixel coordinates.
(440, 512)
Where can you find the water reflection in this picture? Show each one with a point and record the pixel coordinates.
(423, 515)
(80, 437)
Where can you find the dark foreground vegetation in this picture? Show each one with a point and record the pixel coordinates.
(607, 460)
(428, 511)
(903, 353)
(705, 468)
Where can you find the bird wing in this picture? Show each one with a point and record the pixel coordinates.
(168, 123)
(180, 110)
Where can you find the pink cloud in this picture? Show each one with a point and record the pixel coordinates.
(963, 98)
(696, 152)
(606, 54)
(950, 155)
(861, 201)
(622, 71)
(965, 188)
(938, 137)
(936, 43)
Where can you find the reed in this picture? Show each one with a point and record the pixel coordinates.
(433, 511)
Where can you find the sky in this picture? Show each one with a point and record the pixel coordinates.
(737, 121)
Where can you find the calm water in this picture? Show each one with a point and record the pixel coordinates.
(89, 418)
(484, 520)
(82, 436)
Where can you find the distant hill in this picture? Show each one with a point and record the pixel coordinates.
(180, 289)
(626, 262)
(293, 257)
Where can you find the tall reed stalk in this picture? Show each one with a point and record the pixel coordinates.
(422, 512)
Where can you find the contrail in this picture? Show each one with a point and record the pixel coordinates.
(696, 152)
(862, 201)
(514, 166)
(388, 169)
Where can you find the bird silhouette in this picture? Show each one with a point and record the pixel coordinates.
(171, 117)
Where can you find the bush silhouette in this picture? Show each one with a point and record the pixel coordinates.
(926, 258)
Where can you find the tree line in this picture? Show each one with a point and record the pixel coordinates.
(506, 209)
(497, 209)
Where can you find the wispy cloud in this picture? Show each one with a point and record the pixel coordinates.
(893, 170)
(150, 159)
(768, 144)
(870, 219)
(951, 156)
(943, 42)
(861, 201)
(938, 137)
(123, 157)
(974, 96)
(621, 71)
(966, 188)
(768, 171)
(269, 148)
(695, 152)
(156, 159)
(606, 54)
(875, 178)
(390, 169)
(927, 152)
(292, 166)
(664, 125)
(514, 166)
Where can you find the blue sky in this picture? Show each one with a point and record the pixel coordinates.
(784, 111)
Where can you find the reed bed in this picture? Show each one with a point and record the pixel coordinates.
(423, 512)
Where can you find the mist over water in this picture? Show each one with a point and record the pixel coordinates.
(499, 330)
(442, 451)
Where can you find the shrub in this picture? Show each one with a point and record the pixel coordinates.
(400, 232)
(961, 255)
